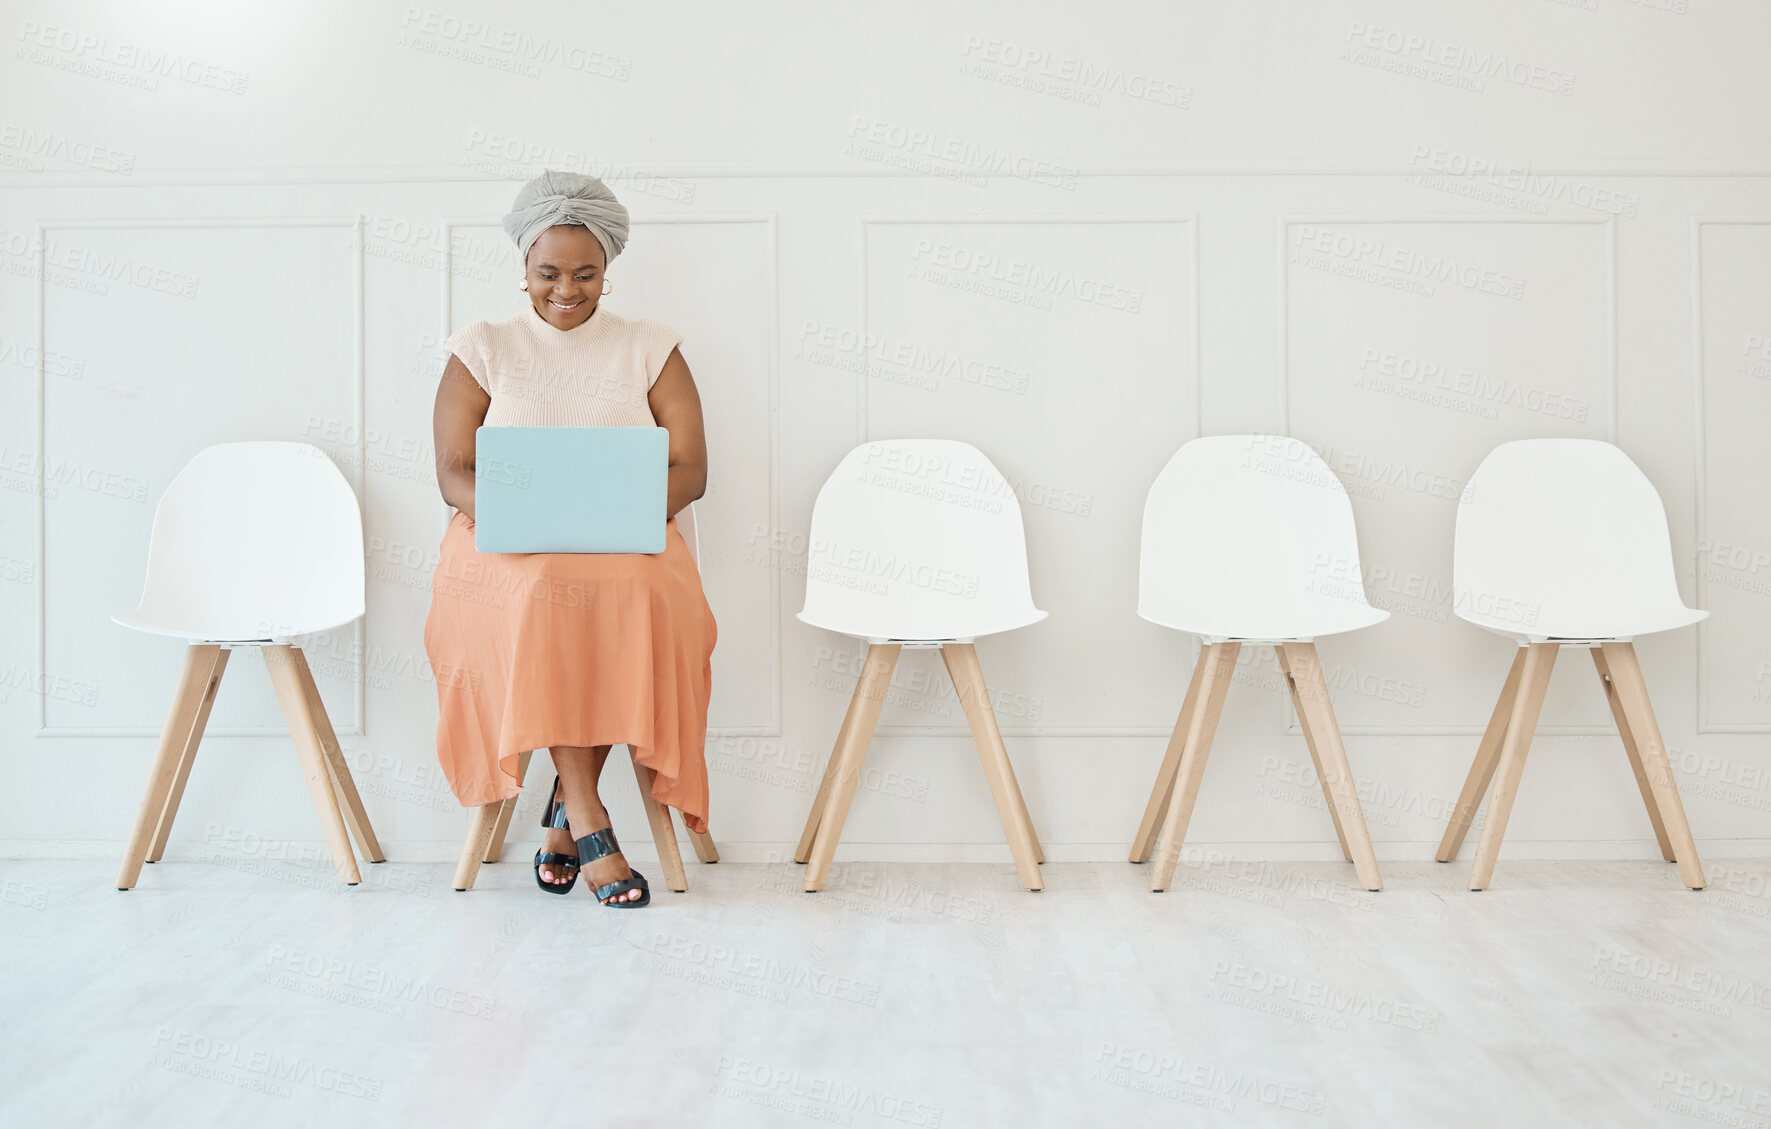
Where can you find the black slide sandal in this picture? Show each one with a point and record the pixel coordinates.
(599, 844)
(555, 816)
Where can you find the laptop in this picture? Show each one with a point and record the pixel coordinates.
(570, 489)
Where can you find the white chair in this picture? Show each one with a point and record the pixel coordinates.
(491, 822)
(1245, 537)
(916, 543)
(253, 545)
(1563, 542)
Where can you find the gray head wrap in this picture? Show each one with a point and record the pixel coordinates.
(555, 198)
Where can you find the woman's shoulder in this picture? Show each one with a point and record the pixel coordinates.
(484, 332)
(504, 327)
(653, 332)
(654, 341)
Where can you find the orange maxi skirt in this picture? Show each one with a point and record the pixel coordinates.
(532, 650)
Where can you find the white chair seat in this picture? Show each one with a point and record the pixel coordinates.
(1611, 625)
(196, 631)
(177, 627)
(859, 626)
(1289, 624)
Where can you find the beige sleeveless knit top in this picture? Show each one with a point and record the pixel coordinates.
(593, 375)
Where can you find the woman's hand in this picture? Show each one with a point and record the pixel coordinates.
(460, 410)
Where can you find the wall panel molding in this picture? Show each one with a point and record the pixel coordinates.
(1700, 449)
(818, 170)
(863, 430)
(1283, 340)
(353, 223)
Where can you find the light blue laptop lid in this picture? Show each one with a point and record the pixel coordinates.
(570, 489)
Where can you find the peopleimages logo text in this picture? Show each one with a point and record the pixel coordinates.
(1455, 57)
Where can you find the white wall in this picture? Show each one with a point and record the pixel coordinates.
(801, 174)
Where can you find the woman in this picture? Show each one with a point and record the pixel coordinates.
(574, 652)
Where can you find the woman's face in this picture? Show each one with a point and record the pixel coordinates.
(565, 275)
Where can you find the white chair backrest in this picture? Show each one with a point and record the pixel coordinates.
(252, 541)
(685, 525)
(1564, 538)
(1251, 537)
(917, 539)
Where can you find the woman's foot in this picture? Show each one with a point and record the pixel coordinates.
(609, 868)
(559, 841)
(556, 863)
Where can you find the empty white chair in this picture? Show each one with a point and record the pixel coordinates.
(1564, 542)
(917, 543)
(1245, 540)
(491, 822)
(253, 544)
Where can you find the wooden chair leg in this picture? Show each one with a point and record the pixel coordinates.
(803, 851)
(961, 660)
(193, 683)
(1201, 727)
(467, 868)
(1310, 692)
(169, 811)
(822, 800)
(356, 818)
(847, 757)
(705, 850)
(507, 810)
(1534, 679)
(304, 729)
(670, 856)
(1629, 747)
(1632, 690)
(1162, 792)
(1310, 743)
(1014, 783)
(1482, 768)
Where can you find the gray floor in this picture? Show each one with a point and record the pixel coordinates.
(1569, 994)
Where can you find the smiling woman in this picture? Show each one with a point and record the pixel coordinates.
(573, 652)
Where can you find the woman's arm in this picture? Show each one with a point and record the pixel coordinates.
(676, 406)
(461, 409)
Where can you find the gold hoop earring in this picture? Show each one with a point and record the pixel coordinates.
(608, 288)
(523, 285)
